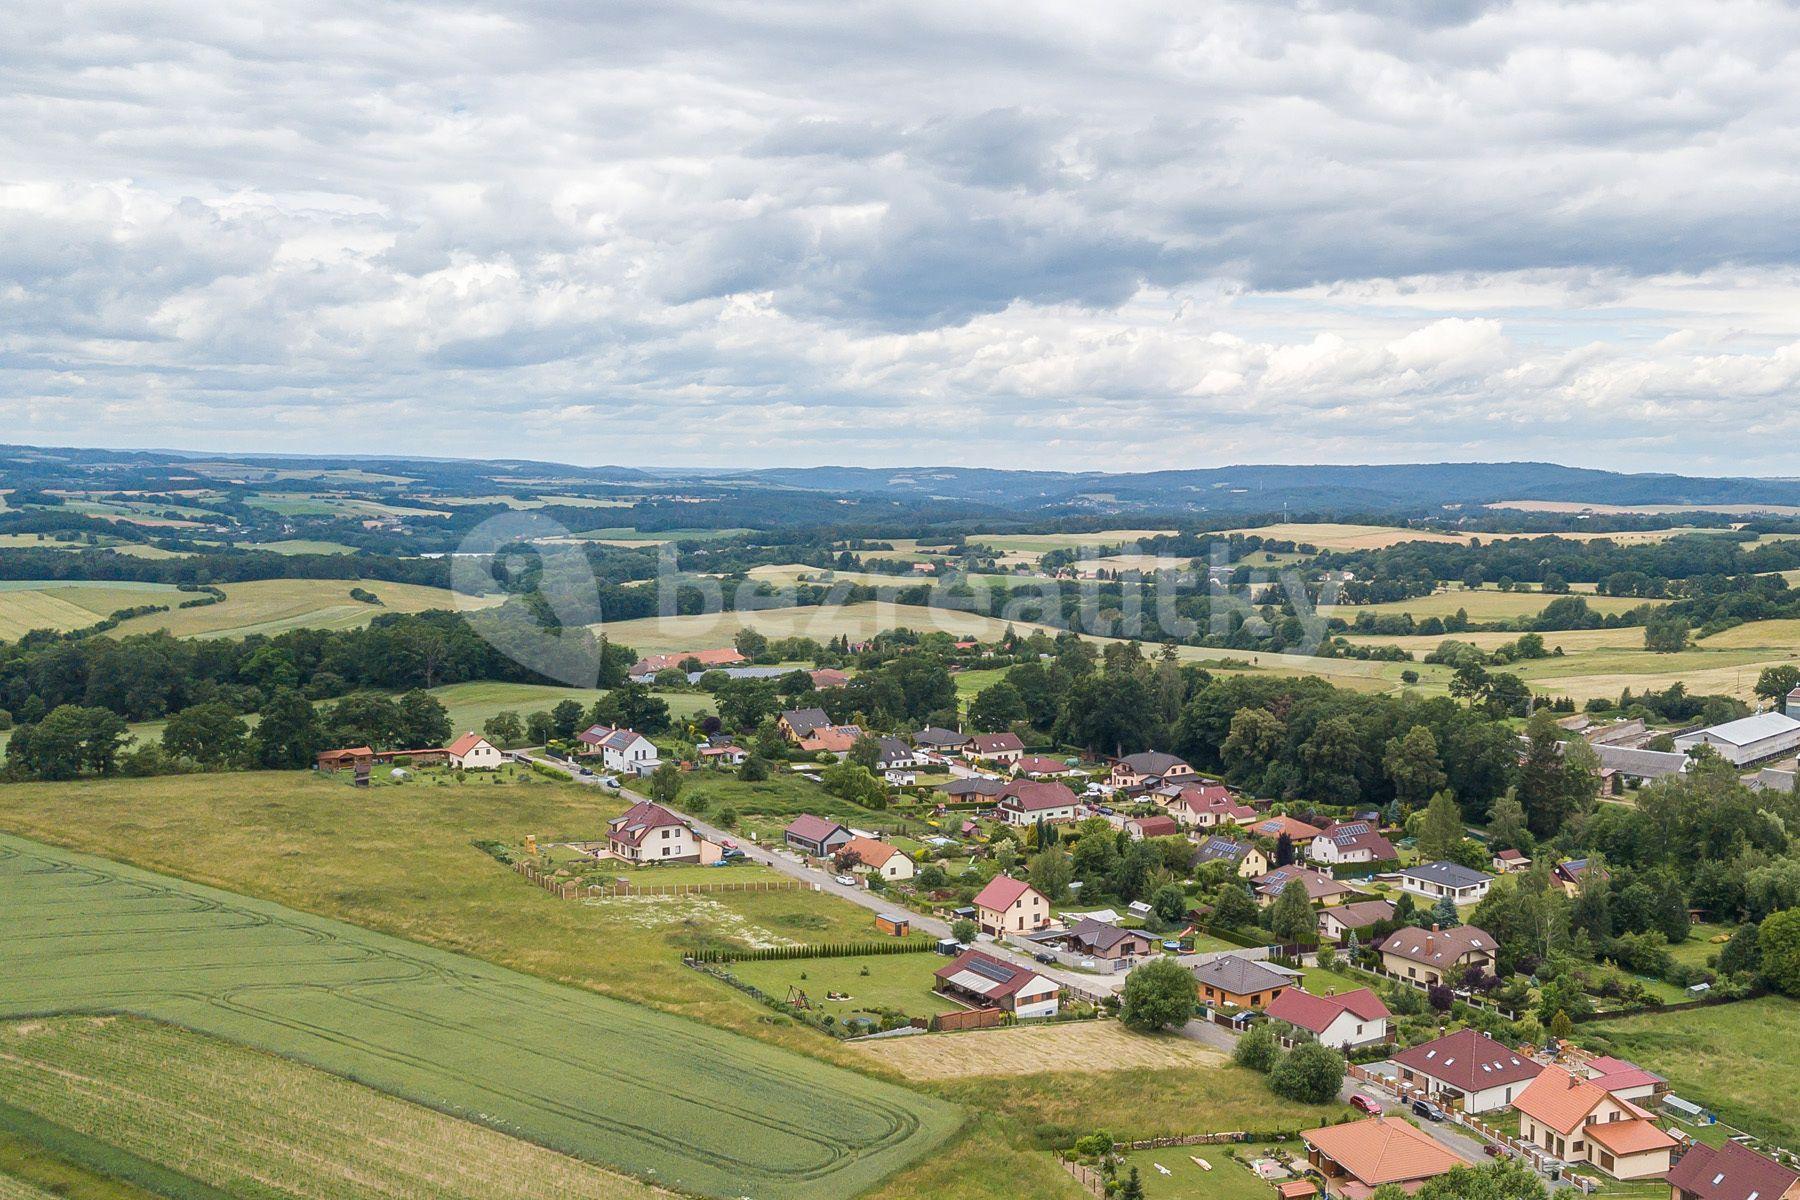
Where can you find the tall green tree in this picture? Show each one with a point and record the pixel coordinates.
(1158, 994)
(287, 732)
(1441, 829)
(210, 734)
(1411, 762)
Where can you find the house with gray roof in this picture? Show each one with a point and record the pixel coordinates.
(1434, 881)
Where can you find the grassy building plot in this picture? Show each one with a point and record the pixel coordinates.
(869, 985)
(656, 1096)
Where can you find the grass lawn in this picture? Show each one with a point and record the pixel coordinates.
(1320, 982)
(893, 981)
(1738, 1060)
(1699, 945)
(1186, 1180)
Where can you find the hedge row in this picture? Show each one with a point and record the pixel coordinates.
(822, 950)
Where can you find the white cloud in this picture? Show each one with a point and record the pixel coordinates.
(1063, 234)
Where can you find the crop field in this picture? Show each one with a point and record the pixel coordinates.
(30, 604)
(1570, 641)
(1484, 604)
(271, 606)
(1739, 1060)
(471, 704)
(1334, 536)
(1781, 635)
(653, 635)
(1043, 543)
(1650, 510)
(1031, 1049)
(518, 1053)
(302, 546)
(123, 1095)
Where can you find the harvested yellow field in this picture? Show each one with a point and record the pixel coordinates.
(654, 635)
(1736, 680)
(1757, 635)
(27, 604)
(272, 606)
(1484, 604)
(1333, 536)
(1043, 543)
(1032, 1049)
(1571, 641)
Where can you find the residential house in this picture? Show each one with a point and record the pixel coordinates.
(1626, 1080)
(1510, 862)
(1028, 801)
(1151, 827)
(1299, 833)
(1338, 923)
(1434, 881)
(831, 739)
(1467, 1067)
(472, 752)
(646, 669)
(1359, 1156)
(1320, 887)
(1042, 766)
(1232, 981)
(1102, 939)
(892, 754)
(798, 723)
(1571, 874)
(1207, 806)
(984, 981)
(940, 741)
(1152, 768)
(726, 755)
(623, 750)
(878, 858)
(1751, 739)
(1347, 843)
(1250, 861)
(1429, 956)
(816, 836)
(1580, 1122)
(1347, 1021)
(1731, 1171)
(1007, 906)
(826, 678)
(975, 787)
(996, 747)
(649, 833)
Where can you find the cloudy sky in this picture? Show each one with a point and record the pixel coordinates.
(1110, 235)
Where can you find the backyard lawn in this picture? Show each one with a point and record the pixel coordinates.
(1181, 1178)
(869, 984)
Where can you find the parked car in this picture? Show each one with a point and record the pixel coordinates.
(1044, 956)
(1428, 1110)
(846, 880)
(1366, 1104)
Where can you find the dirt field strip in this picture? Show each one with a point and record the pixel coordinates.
(1034, 1049)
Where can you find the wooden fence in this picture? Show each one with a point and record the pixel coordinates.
(975, 1018)
(1087, 1177)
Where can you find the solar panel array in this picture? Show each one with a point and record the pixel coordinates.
(998, 972)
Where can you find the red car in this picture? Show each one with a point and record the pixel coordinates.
(1366, 1104)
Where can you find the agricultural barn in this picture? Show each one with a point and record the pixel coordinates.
(472, 752)
(986, 982)
(1752, 739)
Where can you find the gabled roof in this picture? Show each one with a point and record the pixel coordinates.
(635, 824)
(1447, 874)
(974, 786)
(1361, 914)
(1730, 1172)
(871, 852)
(1630, 1137)
(464, 744)
(1152, 762)
(940, 738)
(1239, 976)
(809, 828)
(995, 743)
(1317, 884)
(992, 978)
(1469, 1061)
(804, 720)
(1617, 1075)
(1030, 795)
(1042, 764)
(1274, 827)
(1359, 835)
(1383, 1150)
(1220, 848)
(1316, 1013)
(1643, 764)
(1002, 892)
(1747, 730)
(1559, 1100)
(891, 750)
(1099, 935)
(1440, 948)
(1155, 826)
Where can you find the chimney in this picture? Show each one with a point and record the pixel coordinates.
(1435, 927)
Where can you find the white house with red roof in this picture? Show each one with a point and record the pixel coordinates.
(1347, 843)
(1042, 765)
(472, 752)
(1028, 801)
(1467, 1066)
(1007, 905)
(649, 833)
(981, 980)
(1206, 806)
(1343, 1022)
(1626, 1080)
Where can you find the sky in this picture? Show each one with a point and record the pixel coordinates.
(1113, 236)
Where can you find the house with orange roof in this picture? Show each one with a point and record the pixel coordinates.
(1579, 1121)
(472, 752)
(1298, 832)
(878, 858)
(1007, 905)
(1359, 1156)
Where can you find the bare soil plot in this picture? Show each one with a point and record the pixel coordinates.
(1032, 1049)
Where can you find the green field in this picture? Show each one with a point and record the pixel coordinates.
(302, 546)
(272, 606)
(73, 604)
(158, 1104)
(609, 1082)
(472, 704)
(1740, 1060)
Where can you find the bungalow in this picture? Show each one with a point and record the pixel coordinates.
(974, 787)
(1007, 905)
(1427, 956)
(1730, 1172)
(940, 741)
(1102, 939)
(472, 752)
(1299, 833)
(1510, 862)
(647, 833)
(1581, 1122)
(1337, 924)
(1042, 765)
(1320, 887)
(816, 836)
(1344, 843)
(725, 756)
(1140, 828)
(878, 858)
(646, 669)
(826, 678)
(798, 723)
(1026, 802)
(1207, 807)
(984, 981)
(1359, 1156)
(1343, 1022)
(1467, 1066)
(1436, 880)
(1231, 981)
(831, 739)
(1249, 860)
(996, 747)
(1136, 772)
(619, 749)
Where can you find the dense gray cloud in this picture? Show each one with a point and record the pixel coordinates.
(1055, 234)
